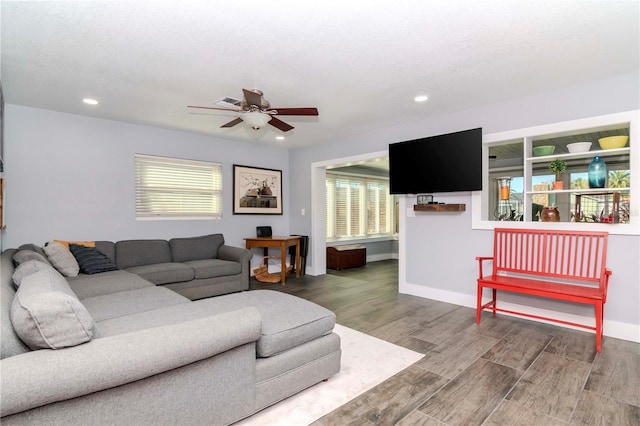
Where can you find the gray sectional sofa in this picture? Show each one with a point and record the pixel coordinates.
(124, 347)
(195, 267)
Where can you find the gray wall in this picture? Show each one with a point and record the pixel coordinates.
(440, 249)
(71, 177)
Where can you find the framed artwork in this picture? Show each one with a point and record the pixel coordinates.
(256, 190)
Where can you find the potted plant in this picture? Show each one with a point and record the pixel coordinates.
(557, 167)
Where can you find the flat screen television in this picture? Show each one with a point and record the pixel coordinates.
(445, 163)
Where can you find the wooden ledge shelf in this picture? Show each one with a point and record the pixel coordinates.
(439, 207)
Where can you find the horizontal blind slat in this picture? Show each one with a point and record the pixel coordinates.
(167, 187)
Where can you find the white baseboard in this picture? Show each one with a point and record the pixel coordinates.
(381, 256)
(616, 329)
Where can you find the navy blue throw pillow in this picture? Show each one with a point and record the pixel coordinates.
(91, 260)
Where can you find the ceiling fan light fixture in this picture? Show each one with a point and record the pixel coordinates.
(256, 119)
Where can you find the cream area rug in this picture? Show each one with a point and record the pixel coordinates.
(366, 362)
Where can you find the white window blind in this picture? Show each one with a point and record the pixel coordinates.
(357, 206)
(173, 188)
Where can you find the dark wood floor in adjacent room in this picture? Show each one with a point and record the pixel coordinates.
(506, 371)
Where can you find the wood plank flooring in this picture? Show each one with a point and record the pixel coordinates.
(506, 371)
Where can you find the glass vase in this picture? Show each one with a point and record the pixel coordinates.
(597, 173)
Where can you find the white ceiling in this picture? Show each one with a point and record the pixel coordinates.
(361, 63)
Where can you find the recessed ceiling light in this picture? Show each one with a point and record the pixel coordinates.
(90, 101)
(280, 138)
(421, 98)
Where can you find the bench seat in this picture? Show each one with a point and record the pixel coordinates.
(541, 288)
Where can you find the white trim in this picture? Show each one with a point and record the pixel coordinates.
(380, 256)
(363, 240)
(617, 329)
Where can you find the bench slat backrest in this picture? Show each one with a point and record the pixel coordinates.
(572, 255)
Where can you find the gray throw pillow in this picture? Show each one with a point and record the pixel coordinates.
(62, 259)
(46, 314)
(23, 256)
(28, 268)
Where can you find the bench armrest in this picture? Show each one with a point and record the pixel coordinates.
(45, 376)
(480, 260)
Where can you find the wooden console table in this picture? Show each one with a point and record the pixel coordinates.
(283, 243)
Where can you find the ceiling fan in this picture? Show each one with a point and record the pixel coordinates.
(257, 112)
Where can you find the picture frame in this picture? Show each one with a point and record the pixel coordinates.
(257, 190)
(425, 199)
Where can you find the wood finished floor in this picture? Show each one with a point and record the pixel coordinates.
(506, 371)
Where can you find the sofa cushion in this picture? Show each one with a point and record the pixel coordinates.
(287, 321)
(62, 259)
(164, 273)
(28, 268)
(108, 248)
(125, 303)
(85, 286)
(195, 248)
(131, 253)
(91, 260)
(46, 314)
(23, 256)
(211, 268)
(10, 343)
(33, 247)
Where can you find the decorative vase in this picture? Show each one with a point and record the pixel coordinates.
(597, 173)
(550, 214)
(265, 189)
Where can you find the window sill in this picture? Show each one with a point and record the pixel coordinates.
(353, 240)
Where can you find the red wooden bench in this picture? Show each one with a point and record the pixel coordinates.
(564, 265)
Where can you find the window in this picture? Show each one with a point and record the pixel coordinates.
(357, 207)
(510, 161)
(173, 188)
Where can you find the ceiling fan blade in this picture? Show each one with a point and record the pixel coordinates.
(295, 111)
(216, 108)
(233, 122)
(276, 122)
(252, 98)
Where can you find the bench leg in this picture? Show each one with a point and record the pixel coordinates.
(494, 301)
(599, 318)
(479, 304)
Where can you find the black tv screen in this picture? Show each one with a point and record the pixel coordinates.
(445, 163)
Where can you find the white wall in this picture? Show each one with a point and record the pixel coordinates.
(71, 177)
(437, 251)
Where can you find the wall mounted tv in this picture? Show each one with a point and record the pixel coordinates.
(445, 163)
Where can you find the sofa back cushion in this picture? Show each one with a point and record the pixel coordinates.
(196, 248)
(33, 247)
(108, 248)
(131, 253)
(23, 256)
(10, 343)
(46, 314)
